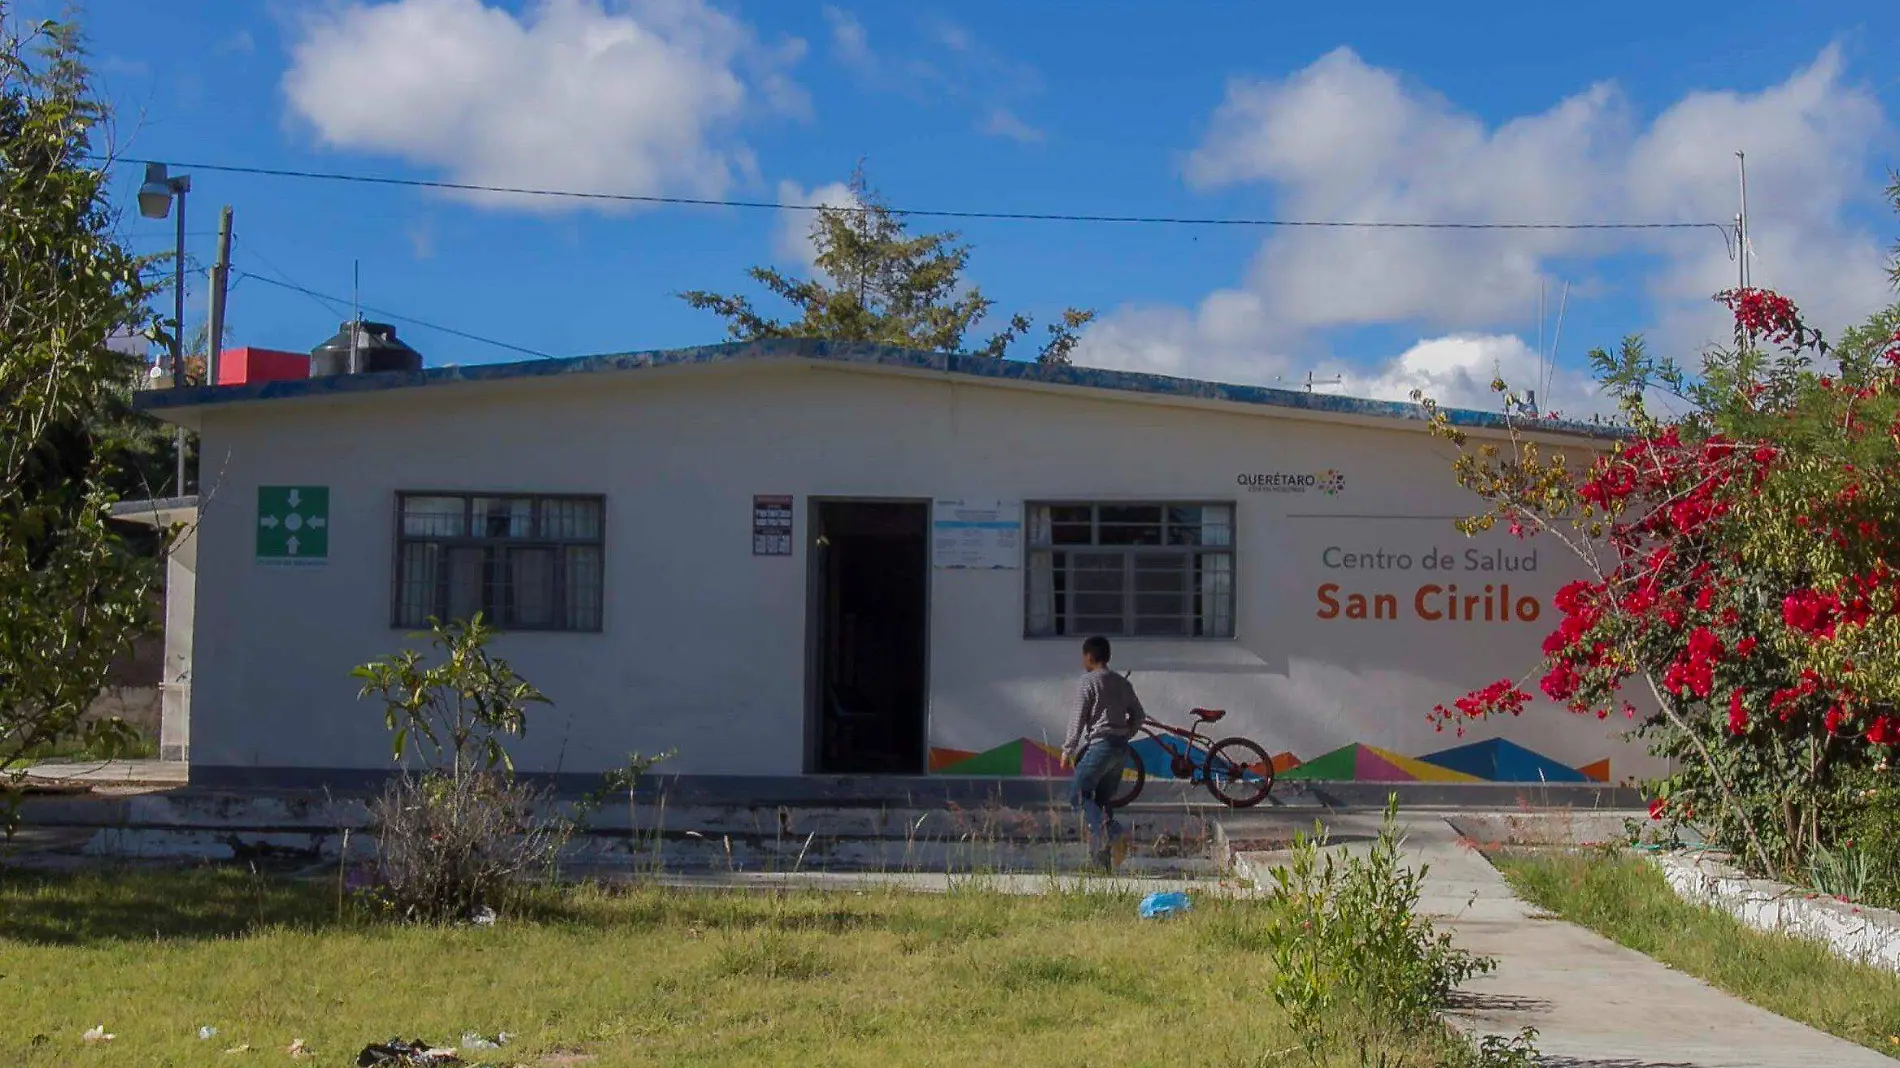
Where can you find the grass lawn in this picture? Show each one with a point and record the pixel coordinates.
(638, 977)
(1627, 901)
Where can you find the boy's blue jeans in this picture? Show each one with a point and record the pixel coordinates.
(1097, 773)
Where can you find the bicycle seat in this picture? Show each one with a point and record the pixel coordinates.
(1208, 715)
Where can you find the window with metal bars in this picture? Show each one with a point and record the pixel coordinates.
(524, 561)
(1135, 570)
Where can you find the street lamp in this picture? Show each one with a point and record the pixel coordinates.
(155, 202)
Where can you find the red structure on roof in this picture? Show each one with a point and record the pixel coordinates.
(237, 367)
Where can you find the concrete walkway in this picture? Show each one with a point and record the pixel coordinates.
(143, 772)
(1595, 1004)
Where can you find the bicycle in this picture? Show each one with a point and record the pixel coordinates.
(1237, 764)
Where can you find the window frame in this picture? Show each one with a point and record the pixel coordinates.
(468, 497)
(1129, 554)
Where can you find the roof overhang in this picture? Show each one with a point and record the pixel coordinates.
(184, 405)
(163, 512)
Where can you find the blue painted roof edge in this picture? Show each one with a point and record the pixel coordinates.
(858, 354)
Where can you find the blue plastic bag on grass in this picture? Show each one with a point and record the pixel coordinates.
(1161, 905)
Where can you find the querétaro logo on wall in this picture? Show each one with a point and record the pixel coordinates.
(1329, 482)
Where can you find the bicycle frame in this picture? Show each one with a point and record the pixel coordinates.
(1191, 740)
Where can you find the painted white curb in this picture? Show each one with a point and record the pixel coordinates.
(1857, 932)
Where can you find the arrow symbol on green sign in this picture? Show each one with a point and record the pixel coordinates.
(291, 544)
(292, 499)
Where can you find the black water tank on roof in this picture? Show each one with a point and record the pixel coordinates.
(376, 350)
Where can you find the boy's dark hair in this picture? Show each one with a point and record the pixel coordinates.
(1096, 649)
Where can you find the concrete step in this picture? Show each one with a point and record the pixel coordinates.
(690, 852)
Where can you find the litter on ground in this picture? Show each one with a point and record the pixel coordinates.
(403, 1054)
(1160, 905)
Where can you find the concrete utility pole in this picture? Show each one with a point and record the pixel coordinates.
(220, 278)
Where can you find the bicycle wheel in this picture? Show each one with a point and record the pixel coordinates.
(1239, 773)
(1134, 777)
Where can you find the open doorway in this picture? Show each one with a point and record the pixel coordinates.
(870, 613)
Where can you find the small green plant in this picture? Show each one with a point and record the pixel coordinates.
(618, 782)
(1348, 942)
(1845, 871)
(1496, 1051)
(455, 711)
(455, 838)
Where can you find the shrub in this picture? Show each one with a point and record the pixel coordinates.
(449, 847)
(454, 837)
(1348, 942)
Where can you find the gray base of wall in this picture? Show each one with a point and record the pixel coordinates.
(942, 789)
(174, 754)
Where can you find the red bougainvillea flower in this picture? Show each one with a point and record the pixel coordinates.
(1763, 312)
(1501, 696)
(1832, 721)
(1657, 806)
(1885, 731)
(1737, 714)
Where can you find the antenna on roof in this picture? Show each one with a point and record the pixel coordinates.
(1311, 382)
(1550, 366)
(356, 313)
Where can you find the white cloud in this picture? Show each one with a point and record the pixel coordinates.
(1458, 370)
(791, 241)
(848, 39)
(953, 64)
(421, 235)
(240, 43)
(621, 96)
(1002, 122)
(1343, 140)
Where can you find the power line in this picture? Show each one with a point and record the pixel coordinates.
(399, 318)
(1015, 216)
(285, 275)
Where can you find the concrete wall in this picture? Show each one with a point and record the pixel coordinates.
(181, 595)
(704, 648)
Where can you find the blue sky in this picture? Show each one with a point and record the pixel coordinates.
(1497, 112)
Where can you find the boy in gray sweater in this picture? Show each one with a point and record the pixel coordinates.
(1107, 716)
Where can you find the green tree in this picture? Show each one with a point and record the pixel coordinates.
(1742, 547)
(72, 593)
(881, 284)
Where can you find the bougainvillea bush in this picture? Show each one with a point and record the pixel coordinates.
(1743, 609)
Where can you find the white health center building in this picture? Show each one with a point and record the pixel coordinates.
(796, 563)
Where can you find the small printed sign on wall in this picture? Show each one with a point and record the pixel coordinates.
(977, 535)
(293, 525)
(771, 526)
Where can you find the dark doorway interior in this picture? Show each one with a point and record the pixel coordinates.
(870, 657)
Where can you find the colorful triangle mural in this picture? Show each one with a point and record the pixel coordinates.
(1498, 760)
(1417, 770)
(1494, 760)
(1004, 760)
(943, 758)
(1041, 761)
(1336, 766)
(1374, 765)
